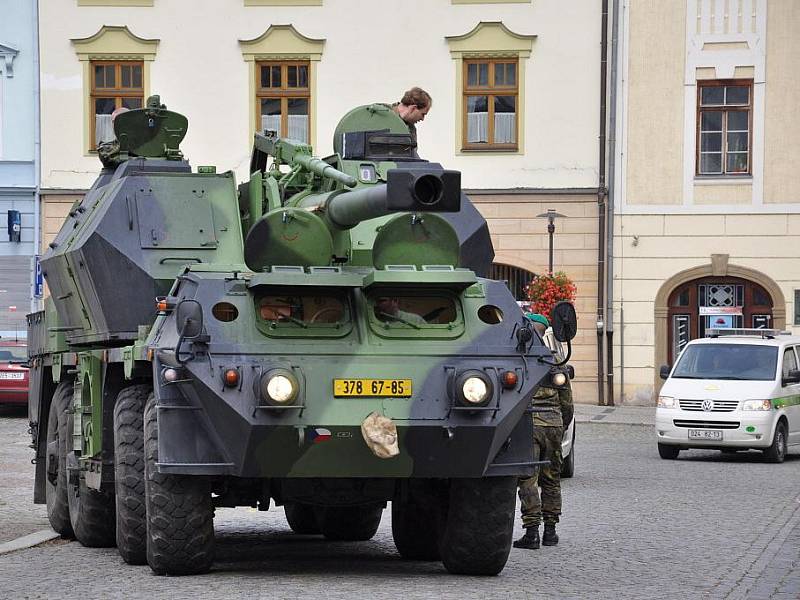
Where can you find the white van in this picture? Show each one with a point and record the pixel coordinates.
(734, 390)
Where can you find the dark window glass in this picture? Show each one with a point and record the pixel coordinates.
(104, 106)
(132, 103)
(727, 361)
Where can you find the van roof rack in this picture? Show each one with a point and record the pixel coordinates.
(761, 333)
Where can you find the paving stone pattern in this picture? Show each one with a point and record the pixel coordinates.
(635, 526)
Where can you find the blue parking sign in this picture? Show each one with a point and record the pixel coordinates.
(38, 284)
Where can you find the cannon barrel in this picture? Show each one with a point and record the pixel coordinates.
(412, 190)
(323, 169)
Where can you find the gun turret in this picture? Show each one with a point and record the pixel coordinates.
(353, 208)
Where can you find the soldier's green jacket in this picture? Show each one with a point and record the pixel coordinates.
(552, 406)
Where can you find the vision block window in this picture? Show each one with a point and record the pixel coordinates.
(115, 85)
(283, 97)
(724, 127)
(491, 94)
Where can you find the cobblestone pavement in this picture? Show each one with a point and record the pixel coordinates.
(18, 514)
(635, 526)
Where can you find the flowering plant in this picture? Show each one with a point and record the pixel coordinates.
(545, 291)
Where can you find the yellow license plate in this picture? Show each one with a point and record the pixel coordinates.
(372, 388)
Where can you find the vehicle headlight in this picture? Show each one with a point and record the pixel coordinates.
(475, 390)
(559, 379)
(279, 387)
(667, 402)
(756, 405)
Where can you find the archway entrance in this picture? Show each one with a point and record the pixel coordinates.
(715, 302)
(717, 270)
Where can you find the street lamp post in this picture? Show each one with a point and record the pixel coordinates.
(550, 215)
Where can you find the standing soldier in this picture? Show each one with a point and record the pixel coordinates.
(553, 410)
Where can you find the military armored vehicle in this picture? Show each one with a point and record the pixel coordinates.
(321, 337)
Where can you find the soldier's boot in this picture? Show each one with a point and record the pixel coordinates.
(550, 537)
(529, 541)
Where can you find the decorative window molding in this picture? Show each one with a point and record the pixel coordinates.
(281, 44)
(115, 2)
(115, 44)
(283, 2)
(7, 56)
(489, 40)
(725, 40)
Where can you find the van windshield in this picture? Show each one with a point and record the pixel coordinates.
(727, 361)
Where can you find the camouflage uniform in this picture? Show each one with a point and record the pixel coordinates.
(108, 153)
(412, 129)
(551, 405)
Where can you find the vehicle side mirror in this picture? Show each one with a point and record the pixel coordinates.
(664, 371)
(189, 319)
(565, 321)
(792, 377)
(571, 371)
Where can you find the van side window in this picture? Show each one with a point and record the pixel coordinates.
(789, 361)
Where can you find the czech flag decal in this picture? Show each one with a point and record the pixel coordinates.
(320, 434)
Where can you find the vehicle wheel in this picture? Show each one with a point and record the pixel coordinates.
(350, 523)
(776, 453)
(56, 469)
(479, 526)
(91, 512)
(129, 473)
(668, 452)
(416, 525)
(180, 515)
(568, 467)
(302, 518)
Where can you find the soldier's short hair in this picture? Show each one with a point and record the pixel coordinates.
(418, 97)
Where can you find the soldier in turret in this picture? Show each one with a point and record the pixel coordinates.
(552, 412)
(413, 108)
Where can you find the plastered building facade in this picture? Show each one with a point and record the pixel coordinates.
(707, 224)
(206, 59)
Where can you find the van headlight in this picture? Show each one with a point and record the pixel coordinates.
(667, 402)
(756, 405)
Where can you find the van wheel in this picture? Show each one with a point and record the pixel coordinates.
(668, 452)
(776, 453)
(568, 467)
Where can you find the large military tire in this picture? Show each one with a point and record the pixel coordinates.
(56, 456)
(479, 526)
(129, 473)
(350, 523)
(415, 528)
(180, 515)
(91, 512)
(302, 518)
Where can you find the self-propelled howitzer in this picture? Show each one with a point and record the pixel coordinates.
(324, 339)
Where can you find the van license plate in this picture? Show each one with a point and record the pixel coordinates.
(372, 388)
(705, 434)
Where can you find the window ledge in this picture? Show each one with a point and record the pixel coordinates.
(489, 151)
(723, 179)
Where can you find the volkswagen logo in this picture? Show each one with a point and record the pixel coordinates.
(707, 405)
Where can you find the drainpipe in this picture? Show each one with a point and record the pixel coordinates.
(37, 155)
(601, 199)
(612, 143)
